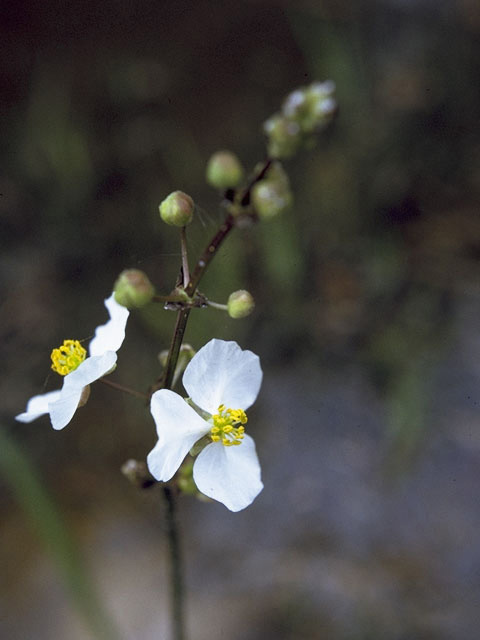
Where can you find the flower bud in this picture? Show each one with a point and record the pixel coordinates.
(224, 170)
(177, 209)
(284, 136)
(322, 106)
(304, 112)
(240, 304)
(133, 289)
(270, 198)
(295, 105)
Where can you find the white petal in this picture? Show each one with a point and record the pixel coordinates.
(91, 369)
(222, 373)
(63, 409)
(109, 336)
(230, 475)
(178, 428)
(38, 406)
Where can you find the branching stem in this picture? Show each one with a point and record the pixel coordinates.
(190, 284)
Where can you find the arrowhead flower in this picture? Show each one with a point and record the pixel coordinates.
(69, 360)
(222, 381)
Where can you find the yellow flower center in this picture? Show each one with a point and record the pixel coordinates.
(228, 426)
(68, 357)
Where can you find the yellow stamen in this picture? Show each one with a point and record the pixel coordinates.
(68, 357)
(227, 426)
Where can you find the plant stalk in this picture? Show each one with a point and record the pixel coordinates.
(165, 382)
(176, 565)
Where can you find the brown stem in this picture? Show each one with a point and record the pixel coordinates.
(209, 252)
(165, 382)
(121, 387)
(245, 201)
(190, 284)
(176, 565)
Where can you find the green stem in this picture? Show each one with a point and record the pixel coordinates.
(217, 305)
(186, 270)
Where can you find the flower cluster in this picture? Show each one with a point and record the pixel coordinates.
(222, 381)
(304, 112)
(202, 440)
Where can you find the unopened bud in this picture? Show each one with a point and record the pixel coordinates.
(304, 112)
(295, 104)
(133, 289)
(224, 170)
(240, 304)
(284, 136)
(270, 198)
(322, 106)
(177, 209)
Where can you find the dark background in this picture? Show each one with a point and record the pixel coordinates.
(366, 323)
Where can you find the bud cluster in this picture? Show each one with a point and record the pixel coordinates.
(304, 112)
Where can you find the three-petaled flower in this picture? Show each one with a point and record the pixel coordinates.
(222, 381)
(62, 404)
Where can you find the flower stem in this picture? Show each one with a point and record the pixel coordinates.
(245, 201)
(185, 268)
(217, 305)
(176, 573)
(120, 387)
(209, 252)
(165, 382)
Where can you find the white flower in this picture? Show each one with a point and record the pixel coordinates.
(62, 404)
(222, 381)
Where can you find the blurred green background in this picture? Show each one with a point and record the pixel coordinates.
(367, 295)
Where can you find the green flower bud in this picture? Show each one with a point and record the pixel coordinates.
(224, 170)
(322, 106)
(133, 289)
(177, 209)
(240, 304)
(296, 106)
(304, 112)
(271, 198)
(284, 136)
